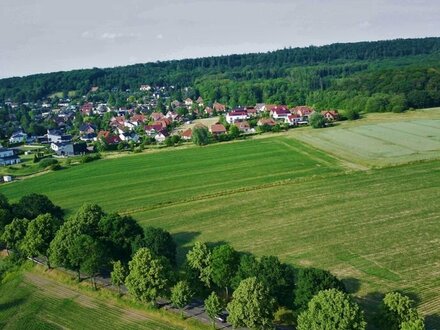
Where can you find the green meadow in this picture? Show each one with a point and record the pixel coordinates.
(29, 300)
(324, 198)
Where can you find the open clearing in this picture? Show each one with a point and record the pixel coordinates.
(376, 228)
(32, 301)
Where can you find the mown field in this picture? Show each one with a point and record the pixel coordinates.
(381, 139)
(152, 180)
(32, 301)
(377, 228)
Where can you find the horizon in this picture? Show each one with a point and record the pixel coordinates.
(50, 36)
(215, 55)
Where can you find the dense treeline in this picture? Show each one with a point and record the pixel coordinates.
(403, 72)
(265, 290)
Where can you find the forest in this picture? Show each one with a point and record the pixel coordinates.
(391, 75)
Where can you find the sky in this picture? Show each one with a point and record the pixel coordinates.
(56, 35)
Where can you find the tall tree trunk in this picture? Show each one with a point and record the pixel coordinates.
(79, 275)
(227, 293)
(48, 262)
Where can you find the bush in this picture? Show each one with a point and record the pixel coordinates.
(284, 316)
(46, 162)
(55, 167)
(89, 158)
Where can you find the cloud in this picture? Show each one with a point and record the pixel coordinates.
(113, 36)
(159, 36)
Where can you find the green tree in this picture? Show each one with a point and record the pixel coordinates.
(181, 295)
(251, 305)
(160, 242)
(248, 267)
(397, 310)
(40, 232)
(200, 135)
(317, 120)
(213, 307)
(118, 274)
(234, 132)
(89, 256)
(224, 264)
(120, 234)
(14, 233)
(332, 309)
(199, 258)
(309, 281)
(32, 205)
(149, 276)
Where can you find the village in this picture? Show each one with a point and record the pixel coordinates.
(97, 126)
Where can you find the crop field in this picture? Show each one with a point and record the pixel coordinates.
(411, 138)
(32, 301)
(376, 228)
(151, 180)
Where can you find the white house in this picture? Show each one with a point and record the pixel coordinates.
(279, 113)
(62, 148)
(7, 157)
(160, 137)
(18, 137)
(292, 120)
(233, 116)
(7, 178)
(57, 136)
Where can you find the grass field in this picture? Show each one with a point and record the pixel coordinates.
(152, 180)
(32, 301)
(376, 228)
(379, 141)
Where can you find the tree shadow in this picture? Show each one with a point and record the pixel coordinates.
(351, 284)
(11, 304)
(432, 322)
(371, 305)
(182, 240)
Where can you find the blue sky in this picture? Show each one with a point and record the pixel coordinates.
(53, 35)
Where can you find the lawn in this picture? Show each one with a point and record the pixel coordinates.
(381, 140)
(31, 301)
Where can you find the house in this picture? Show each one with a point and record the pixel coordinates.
(18, 137)
(87, 128)
(117, 121)
(8, 157)
(155, 116)
(161, 136)
(330, 115)
(145, 88)
(62, 148)
(209, 111)
(243, 126)
(108, 137)
(165, 122)
(251, 112)
(138, 119)
(188, 102)
(88, 137)
(260, 107)
(94, 89)
(152, 130)
(172, 115)
(303, 111)
(176, 104)
(199, 101)
(186, 135)
(217, 129)
(292, 119)
(57, 136)
(233, 116)
(266, 122)
(279, 113)
(270, 107)
(218, 107)
(87, 109)
(129, 136)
